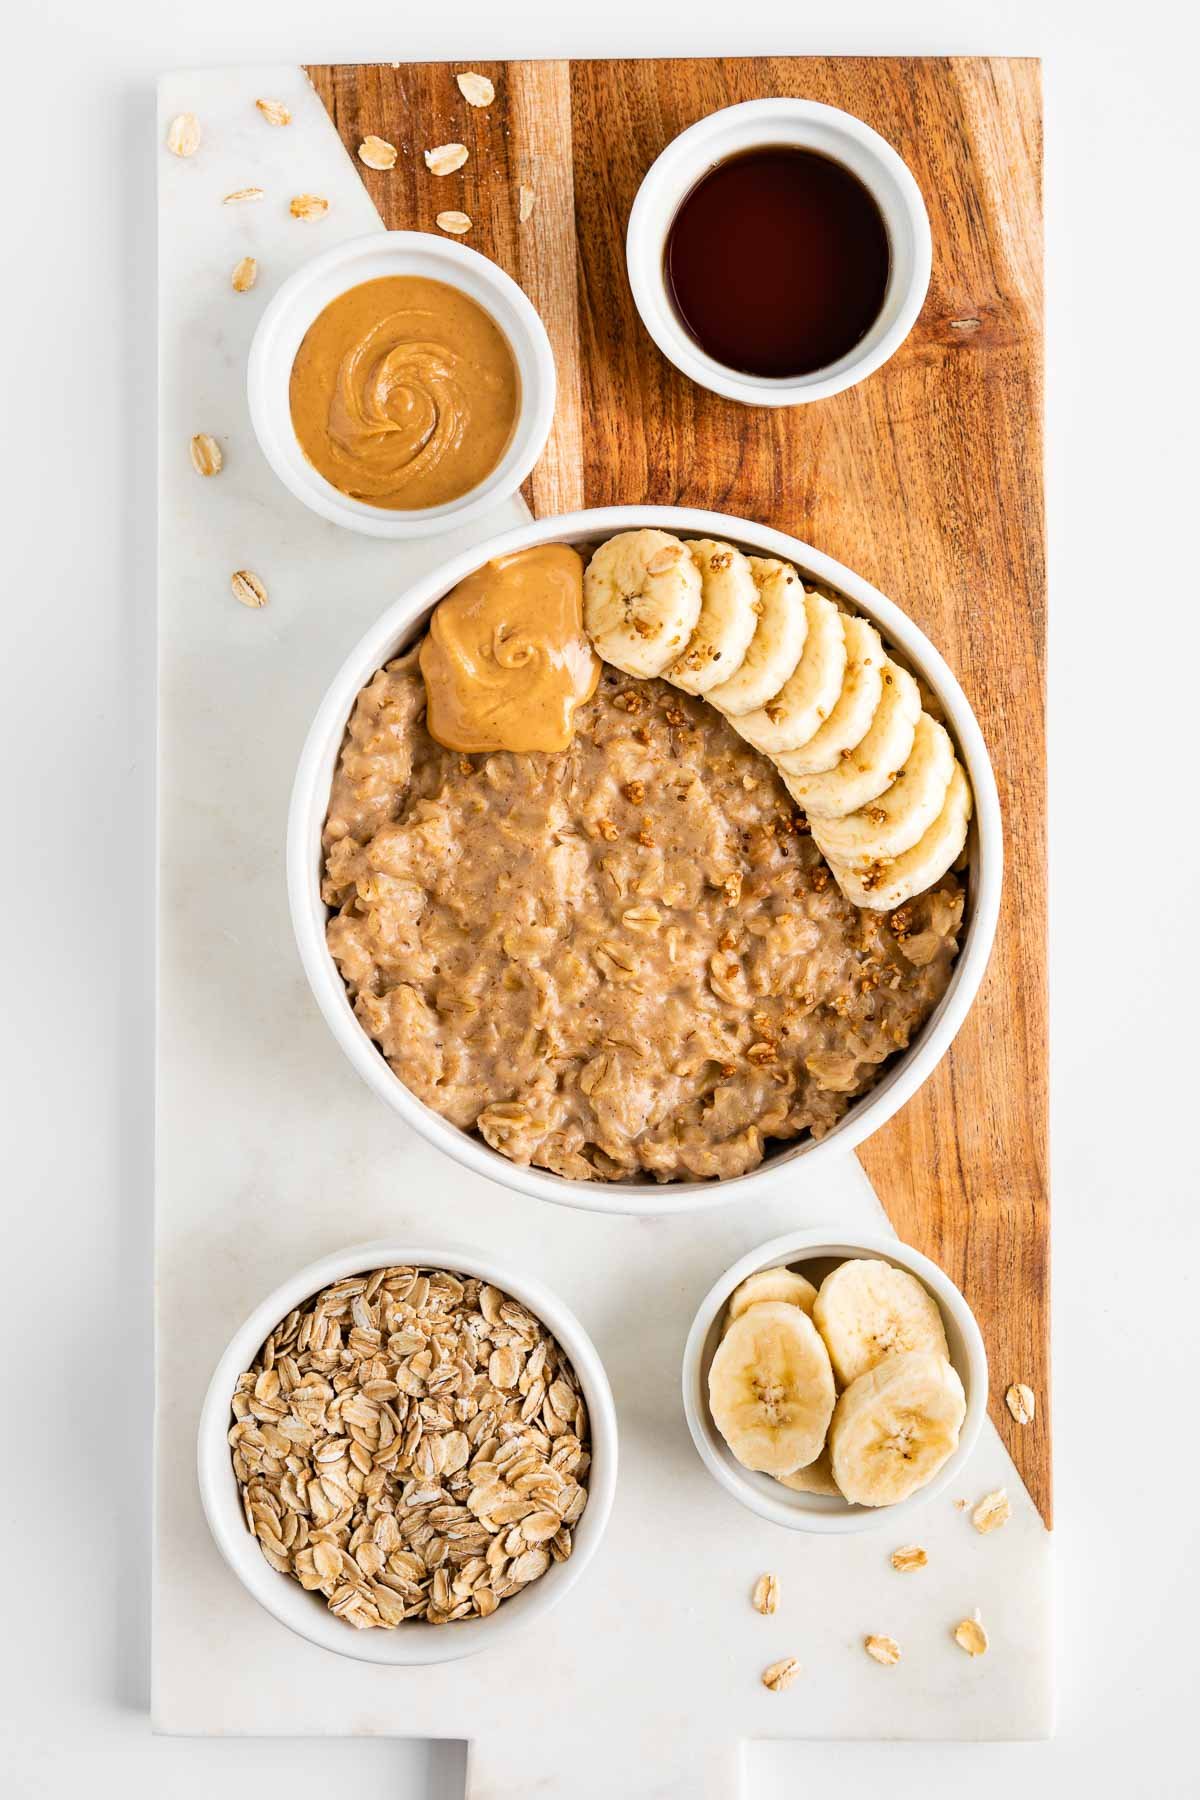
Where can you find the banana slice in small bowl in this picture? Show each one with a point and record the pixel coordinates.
(875, 1324)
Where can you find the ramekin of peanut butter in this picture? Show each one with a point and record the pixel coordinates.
(401, 384)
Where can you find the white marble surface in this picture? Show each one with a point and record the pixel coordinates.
(1123, 152)
(271, 1152)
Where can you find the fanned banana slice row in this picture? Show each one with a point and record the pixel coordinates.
(808, 685)
(810, 693)
(873, 764)
(850, 720)
(894, 1427)
(903, 813)
(781, 627)
(641, 600)
(868, 1310)
(772, 1284)
(882, 886)
(770, 1388)
(727, 618)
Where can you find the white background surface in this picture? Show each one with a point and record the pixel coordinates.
(77, 457)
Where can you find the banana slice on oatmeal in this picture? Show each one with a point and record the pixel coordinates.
(871, 767)
(727, 618)
(781, 625)
(810, 693)
(850, 720)
(899, 817)
(641, 600)
(882, 886)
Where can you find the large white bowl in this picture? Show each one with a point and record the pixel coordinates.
(398, 628)
(305, 1613)
(814, 1253)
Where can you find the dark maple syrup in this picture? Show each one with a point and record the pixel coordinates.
(778, 261)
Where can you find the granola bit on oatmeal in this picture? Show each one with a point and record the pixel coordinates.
(635, 791)
(607, 830)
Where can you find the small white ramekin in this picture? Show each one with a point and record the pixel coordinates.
(767, 1497)
(807, 125)
(306, 1614)
(311, 289)
(398, 628)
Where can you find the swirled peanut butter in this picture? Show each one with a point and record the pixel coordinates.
(506, 661)
(404, 393)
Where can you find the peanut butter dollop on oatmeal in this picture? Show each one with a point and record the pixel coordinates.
(507, 661)
(404, 393)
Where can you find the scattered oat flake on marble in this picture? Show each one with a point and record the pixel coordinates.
(183, 135)
(526, 201)
(970, 1635)
(249, 590)
(240, 196)
(309, 206)
(445, 158)
(456, 222)
(765, 1598)
(377, 153)
(476, 90)
(993, 1510)
(274, 112)
(781, 1674)
(207, 458)
(909, 1556)
(883, 1649)
(245, 274)
(1021, 1402)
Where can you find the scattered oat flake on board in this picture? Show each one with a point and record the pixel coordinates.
(183, 135)
(245, 274)
(457, 222)
(309, 206)
(883, 1649)
(239, 195)
(274, 112)
(1021, 1402)
(377, 153)
(526, 201)
(781, 1674)
(206, 454)
(476, 90)
(766, 1594)
(909, 1556)
(961, 1505)
(993, 1510)
(248, 588)
(443, 159)
(969, 1635)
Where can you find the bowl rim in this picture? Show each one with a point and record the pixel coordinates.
(782, 119)
(817, 1514)
(309, 800)
(268, 369)
(415, 1642)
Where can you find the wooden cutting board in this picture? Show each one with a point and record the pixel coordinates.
(927, 479)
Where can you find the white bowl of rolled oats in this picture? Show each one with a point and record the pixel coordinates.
(476, 1022)
(406, 1452)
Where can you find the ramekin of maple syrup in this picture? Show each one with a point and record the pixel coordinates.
(779, 251)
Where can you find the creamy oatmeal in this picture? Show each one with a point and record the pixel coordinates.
(625, 958)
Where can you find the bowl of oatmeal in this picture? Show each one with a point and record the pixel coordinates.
(621, 977)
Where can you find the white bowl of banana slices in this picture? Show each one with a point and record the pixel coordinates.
(834, 1387)
(819, 672)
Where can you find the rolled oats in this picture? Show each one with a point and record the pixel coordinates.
(766, 1594)
(309, 206)
(240, 196)
(445, 158)
(245, 274)
(1021, 1402)
(207, 458)
(781, 1674)
(377, 153)
(380, 1462)
(456, 222)
(476, 90)
(183, 135)
(909, 1556)
(274, 112)
(992, 1511)
(969, 1635)
(883, 1649)
(248, 588)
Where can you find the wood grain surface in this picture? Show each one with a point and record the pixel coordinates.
(926, 479)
